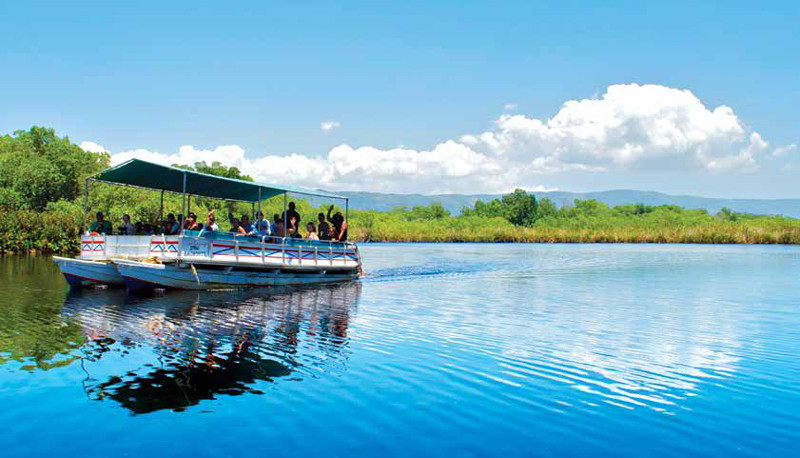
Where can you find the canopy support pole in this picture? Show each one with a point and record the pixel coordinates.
(183, 202)
(161, 208)
(85, 204)
(284, 216)
(253, 208)
(259, 214)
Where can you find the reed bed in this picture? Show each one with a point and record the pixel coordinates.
(631, 229)
(56, 229)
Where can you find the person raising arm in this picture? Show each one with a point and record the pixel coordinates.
(211, 225)
(339, 226)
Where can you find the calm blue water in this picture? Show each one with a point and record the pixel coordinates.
(444, 350)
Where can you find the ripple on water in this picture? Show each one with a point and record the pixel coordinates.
(515, 350)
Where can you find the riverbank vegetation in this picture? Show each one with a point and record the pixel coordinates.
(41, 209)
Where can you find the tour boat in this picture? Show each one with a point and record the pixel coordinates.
(205, 259)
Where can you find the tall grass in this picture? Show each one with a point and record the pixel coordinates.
(56, 230)
(650, 228)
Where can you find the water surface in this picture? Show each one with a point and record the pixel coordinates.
(443, 350)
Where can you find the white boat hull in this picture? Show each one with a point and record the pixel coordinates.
(139, 275)
(81, 272)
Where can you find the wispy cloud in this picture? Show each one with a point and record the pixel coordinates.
(510, 106)
(328, 126)
(784, 150)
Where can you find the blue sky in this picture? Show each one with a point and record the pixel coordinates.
(251, 82)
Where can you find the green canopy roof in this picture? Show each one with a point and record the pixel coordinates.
(145, 174)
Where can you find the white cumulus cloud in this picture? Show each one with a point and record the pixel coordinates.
(328, 126)
(92, 147)
(231, 155)
(448, 167)
(630, 126)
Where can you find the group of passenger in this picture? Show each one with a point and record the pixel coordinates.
(288, 225)
(333, 227)
(169, 226)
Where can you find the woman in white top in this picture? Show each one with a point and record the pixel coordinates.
(126, 228)
(312, 232)
(210, 225)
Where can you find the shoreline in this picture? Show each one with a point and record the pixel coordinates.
(36, 253)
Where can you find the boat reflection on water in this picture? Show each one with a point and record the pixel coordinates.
(175, 350)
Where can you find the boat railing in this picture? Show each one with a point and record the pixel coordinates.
(256, 249)
(218, 246)
(126, 246)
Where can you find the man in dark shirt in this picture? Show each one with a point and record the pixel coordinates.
(323, 228)
(101, 226)
(291, 226)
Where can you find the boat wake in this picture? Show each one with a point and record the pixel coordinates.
(425, 271)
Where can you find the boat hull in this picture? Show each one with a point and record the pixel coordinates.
(80, 272)
(144, 275)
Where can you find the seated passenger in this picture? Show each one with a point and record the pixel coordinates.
(126, 228)
(100, 226)
(324, 231)
(245, 223)
(191, 224)
(210, 225)
(262, 230)
(236, 227)
(312, 232)
(279, 229)
(262, 224)
(170, 226)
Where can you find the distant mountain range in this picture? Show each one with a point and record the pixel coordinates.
(454, 202)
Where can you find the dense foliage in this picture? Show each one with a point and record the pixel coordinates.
(38, 167)
(41, 209)
(519, 208)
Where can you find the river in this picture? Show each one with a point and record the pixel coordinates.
(442, 350)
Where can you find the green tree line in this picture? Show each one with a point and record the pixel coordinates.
(41, 209)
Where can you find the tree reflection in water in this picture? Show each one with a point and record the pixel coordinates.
(207, 343)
